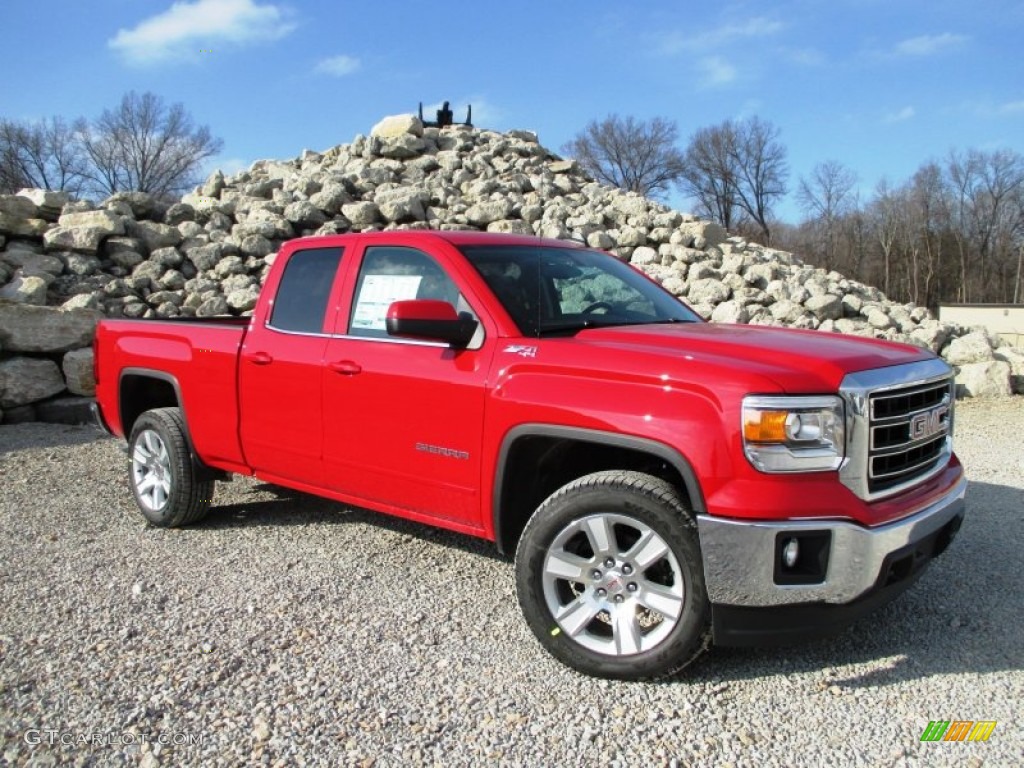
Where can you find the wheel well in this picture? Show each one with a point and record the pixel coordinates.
(537, 466)
(140, 393)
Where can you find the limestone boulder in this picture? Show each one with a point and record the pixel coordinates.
(25, 289)
(398, 125)
(26, 328)
(90, 300)
(988, 379)
(825, 306)
(363, 215)
(704, 233)
(105, 221)
(25, 380)
(213, 306)
(244, 299)
(645, 255)
(974, 347)
(77, 366)
(1015, 359)
(18, 227)
(403, 147)
(304, 215)
(83, 230)
(708, 292)
(18, 207)
(153, 235)
(49, 203)
(730, 312)
(141, 205)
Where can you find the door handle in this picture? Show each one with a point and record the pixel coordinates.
(345, 367)
(258, 358)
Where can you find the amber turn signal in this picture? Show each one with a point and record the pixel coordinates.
(764, 426)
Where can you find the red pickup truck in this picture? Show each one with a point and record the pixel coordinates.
(662, 481)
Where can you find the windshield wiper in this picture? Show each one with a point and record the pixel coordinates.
(583, 325)
(566, 328)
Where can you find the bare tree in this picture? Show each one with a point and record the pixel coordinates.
(761, 160)
(737, 166)
(929, 204)
(964, 172)
(999, 206)
(954, 231)
(145, 146)
(886, 223)
(710, 175)
(46, 154)
(829, 191)
(827, 195)
(631, 154)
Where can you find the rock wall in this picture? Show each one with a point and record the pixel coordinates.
(64, 264)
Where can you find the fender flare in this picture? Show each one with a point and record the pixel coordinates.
(203, 471)
(666, 453)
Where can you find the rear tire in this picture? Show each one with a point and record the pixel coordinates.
(161, 472)
(610, 578)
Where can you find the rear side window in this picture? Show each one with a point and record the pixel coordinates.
(301, 301)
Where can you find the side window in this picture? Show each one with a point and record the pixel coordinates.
(390, 274)
(301, 301)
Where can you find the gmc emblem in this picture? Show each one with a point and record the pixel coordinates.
(929, 423)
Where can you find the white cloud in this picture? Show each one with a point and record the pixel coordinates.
(1010, 108)
(804, 57)
(676, 42)
(338, 66)
(187, 27)
(927, 45)
(990, 111)
(900, 116)
(715, 71)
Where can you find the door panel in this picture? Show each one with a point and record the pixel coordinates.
(281, 371)
(403, 420)
(406, 429)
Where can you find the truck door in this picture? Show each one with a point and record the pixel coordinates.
(403, 419)
(281, 368)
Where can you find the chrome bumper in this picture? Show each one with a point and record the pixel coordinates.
(739, 556)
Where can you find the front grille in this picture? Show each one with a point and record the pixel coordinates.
(909, 429)
(898, 431)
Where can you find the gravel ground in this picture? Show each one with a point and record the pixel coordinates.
(287, 630)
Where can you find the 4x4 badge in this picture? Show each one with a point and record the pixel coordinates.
(521, 349)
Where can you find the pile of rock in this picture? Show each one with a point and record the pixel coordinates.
(46, 363)
(134, 256)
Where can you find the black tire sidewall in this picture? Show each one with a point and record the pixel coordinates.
(674, 525)
(180, 506)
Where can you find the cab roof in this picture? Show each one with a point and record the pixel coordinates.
(456, 238)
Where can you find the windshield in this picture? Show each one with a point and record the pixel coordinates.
(549, 290)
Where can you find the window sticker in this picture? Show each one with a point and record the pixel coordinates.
(377, 293)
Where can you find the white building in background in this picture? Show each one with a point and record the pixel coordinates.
(1005, 319)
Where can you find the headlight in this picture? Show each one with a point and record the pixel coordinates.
(794, 434)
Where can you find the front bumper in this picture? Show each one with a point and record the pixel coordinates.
(866, 567)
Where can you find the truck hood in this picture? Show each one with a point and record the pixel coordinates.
(796, 360)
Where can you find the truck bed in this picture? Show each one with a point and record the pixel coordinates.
(197, 357)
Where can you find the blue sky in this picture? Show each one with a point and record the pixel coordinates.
(879, 85)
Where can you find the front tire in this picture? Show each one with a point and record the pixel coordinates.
(610, 579)
(162, 474)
